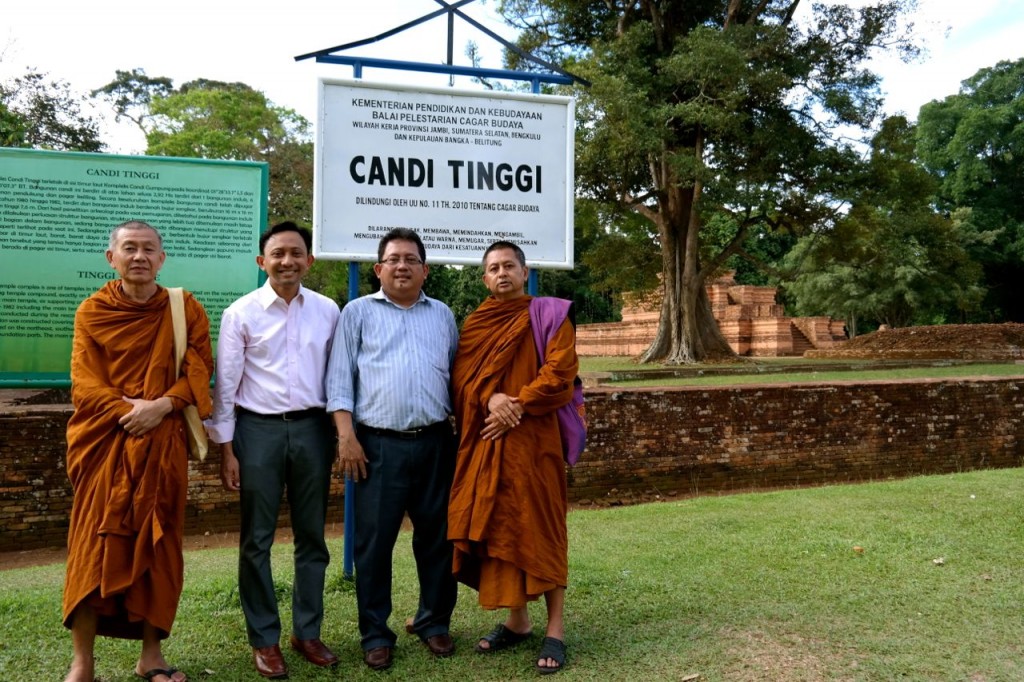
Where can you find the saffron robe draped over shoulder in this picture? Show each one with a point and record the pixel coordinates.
(507, 513)
(127, 516)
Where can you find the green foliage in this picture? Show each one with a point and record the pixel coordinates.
(330, 278)
(290, 164)
(973, 143)
(42, 114)
(460, 287)
(617, 248)
(131, 94)
(602, 269)
(729, 115)
(216, 120)
(13, 128)
(891, 258)
(759, 257)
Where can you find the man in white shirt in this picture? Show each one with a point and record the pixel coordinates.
(275, 435)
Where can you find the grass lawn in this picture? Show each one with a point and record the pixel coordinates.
(827, 375)
(917, 579)
(624, 372)
(610, 363)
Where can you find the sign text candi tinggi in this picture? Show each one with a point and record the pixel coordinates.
(461, 168)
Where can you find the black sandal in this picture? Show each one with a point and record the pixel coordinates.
(157, 672)
(555, 650)
(501, 638)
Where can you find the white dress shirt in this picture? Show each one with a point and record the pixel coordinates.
(271, 356)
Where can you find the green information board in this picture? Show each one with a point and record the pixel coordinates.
(56, 213)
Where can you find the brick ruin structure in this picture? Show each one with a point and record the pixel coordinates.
(748, 317)
(642, 443)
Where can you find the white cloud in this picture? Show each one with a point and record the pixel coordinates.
(959, 38)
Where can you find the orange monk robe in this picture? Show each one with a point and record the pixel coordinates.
(507, 513)
(128, 514)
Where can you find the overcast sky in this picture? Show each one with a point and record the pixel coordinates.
(255, 42)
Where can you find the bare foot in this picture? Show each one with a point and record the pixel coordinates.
(81, 671)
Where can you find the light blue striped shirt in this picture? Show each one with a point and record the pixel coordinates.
(390, 366)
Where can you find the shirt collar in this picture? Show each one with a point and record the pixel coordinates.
(266, 295)
(381, 296)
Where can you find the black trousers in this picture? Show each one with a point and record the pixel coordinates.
(414, 476)
(275, 455)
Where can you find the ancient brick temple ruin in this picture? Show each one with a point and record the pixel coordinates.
(750, 319)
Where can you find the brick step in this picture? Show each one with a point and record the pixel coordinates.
(801, 343)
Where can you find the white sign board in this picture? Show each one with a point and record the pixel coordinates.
(463, 169)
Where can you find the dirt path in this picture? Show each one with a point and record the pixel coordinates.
(56, 555)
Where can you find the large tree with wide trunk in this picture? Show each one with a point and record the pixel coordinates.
(736, 114)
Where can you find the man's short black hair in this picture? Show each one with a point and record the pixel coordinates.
(401, 234)
(501, 245)
(287, 226)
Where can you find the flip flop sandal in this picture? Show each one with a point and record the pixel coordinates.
(156, 672)
(555, 650)
(502, 638)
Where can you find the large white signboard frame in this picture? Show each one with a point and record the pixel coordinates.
(462, 168)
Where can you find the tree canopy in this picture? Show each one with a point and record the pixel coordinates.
(891, 258)
(973, 142)
(216, 120)
(41, 113)
(131, 94)
(703, 113)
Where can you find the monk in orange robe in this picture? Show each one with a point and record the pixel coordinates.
(507, 513)
(128, 456)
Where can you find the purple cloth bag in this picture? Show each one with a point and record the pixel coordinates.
(546, 315)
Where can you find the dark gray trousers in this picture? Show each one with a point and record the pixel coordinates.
(273, 456)
(411, 476)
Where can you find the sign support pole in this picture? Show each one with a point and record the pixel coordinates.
(452, 70)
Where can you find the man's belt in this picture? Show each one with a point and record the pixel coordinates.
(293, 416)
(408, 434)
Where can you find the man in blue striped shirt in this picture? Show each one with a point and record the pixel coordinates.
(388, 389)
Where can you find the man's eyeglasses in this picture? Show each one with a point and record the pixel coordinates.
(393, 261)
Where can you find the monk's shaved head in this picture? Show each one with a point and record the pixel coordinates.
(115, 234)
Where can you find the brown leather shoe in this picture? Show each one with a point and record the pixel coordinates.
(269, 662)
(378, 658)
(314, 651)
(441, 645)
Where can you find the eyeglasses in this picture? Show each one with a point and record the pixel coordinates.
(393, 261)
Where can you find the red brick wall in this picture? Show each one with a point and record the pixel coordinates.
(642, 442)
(35, 496)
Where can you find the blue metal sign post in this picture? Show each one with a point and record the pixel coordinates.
(555, 75)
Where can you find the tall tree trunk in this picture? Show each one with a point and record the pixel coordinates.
(687, 330)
